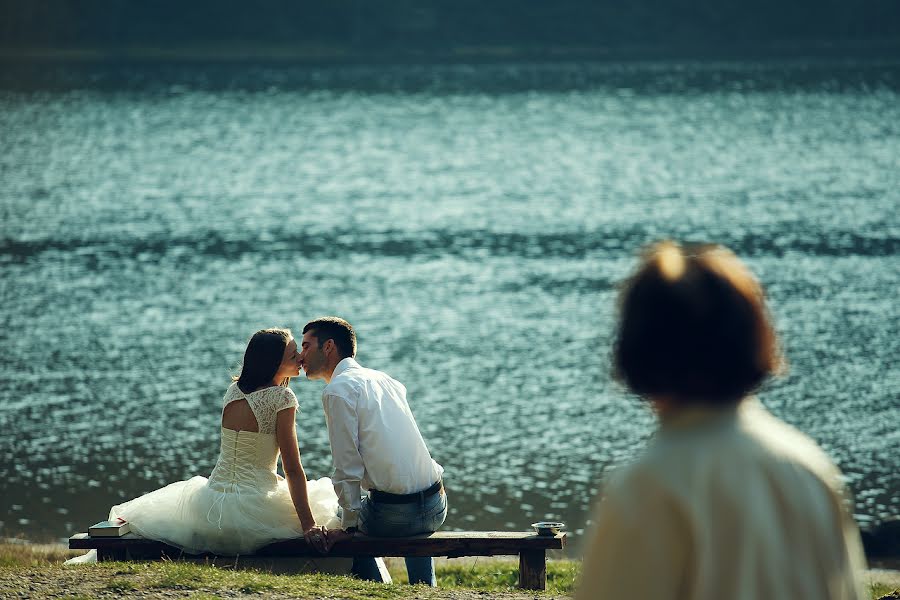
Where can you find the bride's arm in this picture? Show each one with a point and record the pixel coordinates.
(293, 469)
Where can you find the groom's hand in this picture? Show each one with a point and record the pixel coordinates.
(333, 536)
(317, 537)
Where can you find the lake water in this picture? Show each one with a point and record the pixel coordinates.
(471, 221)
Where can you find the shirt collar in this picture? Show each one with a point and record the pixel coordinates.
(347, 363)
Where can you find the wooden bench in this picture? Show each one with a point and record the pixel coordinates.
(530, 547)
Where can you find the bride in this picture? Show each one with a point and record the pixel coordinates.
(244, 504)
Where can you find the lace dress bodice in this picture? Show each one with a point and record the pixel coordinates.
(247, 459)
(265, 403)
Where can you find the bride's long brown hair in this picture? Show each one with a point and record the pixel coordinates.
(262, 359)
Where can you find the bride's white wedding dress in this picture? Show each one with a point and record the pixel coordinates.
(244, 504)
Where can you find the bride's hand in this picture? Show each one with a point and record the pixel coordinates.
(317, 538)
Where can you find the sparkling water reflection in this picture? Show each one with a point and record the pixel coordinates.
(474, 231)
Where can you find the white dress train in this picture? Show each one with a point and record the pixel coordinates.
(243, 505)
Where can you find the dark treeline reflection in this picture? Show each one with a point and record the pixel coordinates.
(424, 27)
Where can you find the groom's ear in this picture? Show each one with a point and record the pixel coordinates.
(328, 345)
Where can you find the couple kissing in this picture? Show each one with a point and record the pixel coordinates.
(385, 483)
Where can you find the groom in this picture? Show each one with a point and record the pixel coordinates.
(376, 447)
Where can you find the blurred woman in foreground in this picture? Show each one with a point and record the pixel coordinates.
(726, 501)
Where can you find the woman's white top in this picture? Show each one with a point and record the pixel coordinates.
(725, 503)
(249, 458)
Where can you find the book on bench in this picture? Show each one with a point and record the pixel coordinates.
(114, 528)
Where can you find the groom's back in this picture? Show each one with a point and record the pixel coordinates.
(392, 449)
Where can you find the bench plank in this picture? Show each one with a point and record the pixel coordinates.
(443, 543)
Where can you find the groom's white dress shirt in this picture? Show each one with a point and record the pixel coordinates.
(375, 442)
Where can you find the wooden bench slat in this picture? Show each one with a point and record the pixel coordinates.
(442, 543)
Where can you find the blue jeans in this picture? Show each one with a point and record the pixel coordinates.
(380, 519)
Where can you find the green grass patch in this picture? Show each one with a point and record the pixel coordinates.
(485, 575)
(503, 575)
(31, 555)
(880, 590)
(882, 583)
(179, 575)
(257, 584)
(494, 577)
(121, 585)
(208, 578)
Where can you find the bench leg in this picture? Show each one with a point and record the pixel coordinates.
(533, 569)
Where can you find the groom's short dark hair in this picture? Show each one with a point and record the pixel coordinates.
(337, 329)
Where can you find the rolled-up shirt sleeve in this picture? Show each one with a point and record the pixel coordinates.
(343, 433)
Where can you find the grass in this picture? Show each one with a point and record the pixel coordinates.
(121, 586)
(480, 576)
(491, 574)
(33, 555)
(883, 584)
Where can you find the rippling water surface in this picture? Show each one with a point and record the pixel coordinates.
(472, 222)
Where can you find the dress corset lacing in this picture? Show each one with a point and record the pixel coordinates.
(247, 461)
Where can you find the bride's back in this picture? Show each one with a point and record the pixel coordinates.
(238, 416)
(249, 445)
(256, 411)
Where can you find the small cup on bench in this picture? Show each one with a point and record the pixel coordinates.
(548, 527)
